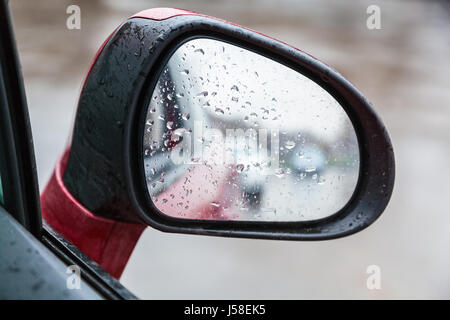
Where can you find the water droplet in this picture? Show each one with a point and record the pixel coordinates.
(234, 88)
(219, 111)
(185, 71)
(166, 142)
(177, 134)
(289, 144)
(169, 125)
(310, 169)
(186, 116)
(203, 93)
(280, 173)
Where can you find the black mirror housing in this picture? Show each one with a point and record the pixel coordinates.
(105, 170)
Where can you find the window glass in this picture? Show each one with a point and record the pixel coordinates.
(1, 190)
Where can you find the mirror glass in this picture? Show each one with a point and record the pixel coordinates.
(233, 135)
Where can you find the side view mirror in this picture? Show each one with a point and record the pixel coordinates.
(191, 124)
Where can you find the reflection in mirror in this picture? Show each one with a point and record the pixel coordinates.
(233, 135)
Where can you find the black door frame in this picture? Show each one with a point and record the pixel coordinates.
(18, 165)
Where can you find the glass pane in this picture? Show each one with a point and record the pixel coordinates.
(233, 135)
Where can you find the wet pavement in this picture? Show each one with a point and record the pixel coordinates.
(403, 69)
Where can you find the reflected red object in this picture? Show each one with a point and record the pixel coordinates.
(107, 242)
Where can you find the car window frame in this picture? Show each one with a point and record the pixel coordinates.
(19, 173)
(18, 166)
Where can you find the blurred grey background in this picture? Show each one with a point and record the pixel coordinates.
(403, 69)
